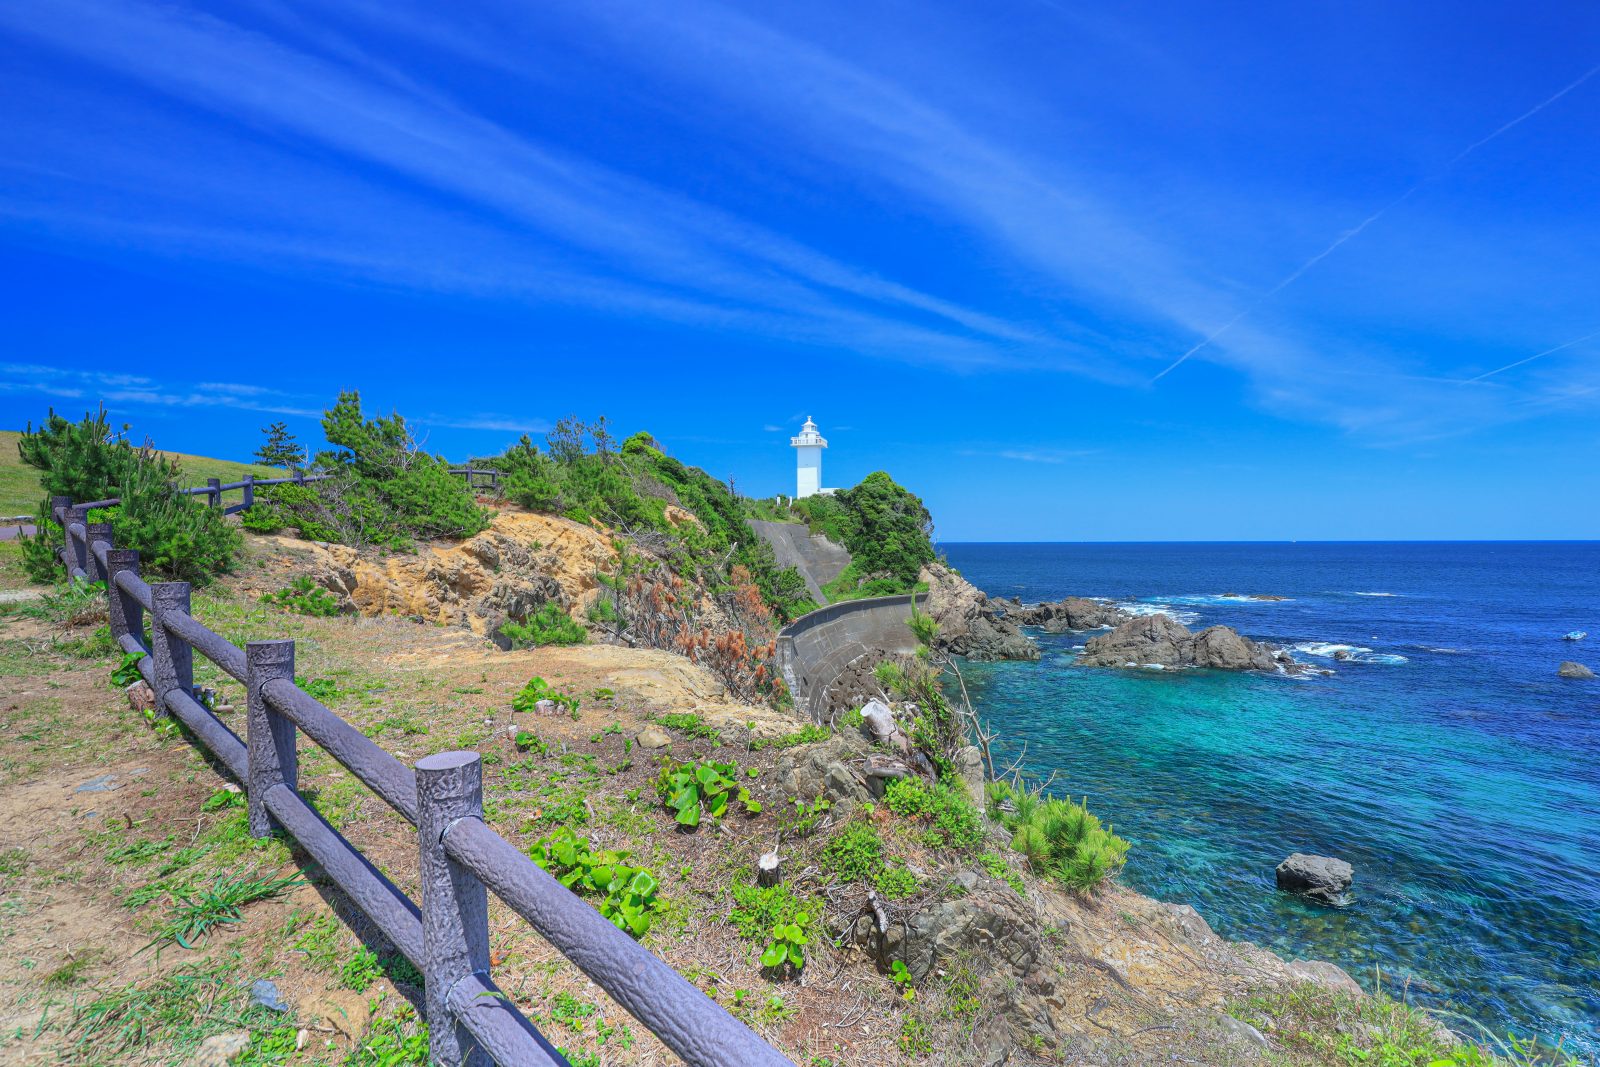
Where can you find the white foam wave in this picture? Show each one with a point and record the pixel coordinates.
(1348, 653)
(1141, 607)
(1376, 594)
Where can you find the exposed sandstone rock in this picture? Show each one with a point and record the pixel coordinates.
(1323, 879)
(1327, 975)
(508, 571)
(1569, 669)
(968, 624)
(1162, 641)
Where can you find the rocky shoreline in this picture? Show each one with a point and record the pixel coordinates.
(978, 627)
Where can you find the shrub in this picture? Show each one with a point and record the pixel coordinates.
(547, 626)
(177, 537)
(693, 790)
(383, 491)
(305, 597)
(896, 882)
(1061, 839)
(855, 854)
(955, 823)
(624, 894)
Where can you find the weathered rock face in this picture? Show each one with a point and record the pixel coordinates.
(1569, 669)
(1322, 879)
(826, 770)
(1162, 641)
(1071, 613)
(968, 624)
(988, 918)
(508, 571)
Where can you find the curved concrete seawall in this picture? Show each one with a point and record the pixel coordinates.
(815, 648)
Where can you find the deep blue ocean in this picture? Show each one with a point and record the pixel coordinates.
(1446, 760)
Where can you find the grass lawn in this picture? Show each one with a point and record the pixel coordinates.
(19, 483)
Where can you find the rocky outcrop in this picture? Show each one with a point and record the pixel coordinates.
(985, 916)
(1322, 879)
(969, 625)
(1569, 669)
(1071, 613)
(508, 571)
(1161, 641)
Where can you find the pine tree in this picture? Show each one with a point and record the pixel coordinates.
(280, 448)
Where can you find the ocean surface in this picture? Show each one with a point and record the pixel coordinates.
(1445, 759)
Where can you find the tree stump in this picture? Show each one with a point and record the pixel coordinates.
(769, 869)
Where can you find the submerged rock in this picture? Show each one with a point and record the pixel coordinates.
(1569, 669)
(1323, 879)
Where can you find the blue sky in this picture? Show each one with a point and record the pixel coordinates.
(1071, 271)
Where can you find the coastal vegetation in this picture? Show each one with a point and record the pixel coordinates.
(382, 490)
(177, 537)
(886, 528)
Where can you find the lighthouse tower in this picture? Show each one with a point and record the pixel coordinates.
(808, 460)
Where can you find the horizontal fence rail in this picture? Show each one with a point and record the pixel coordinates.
(471, 1023)
(213, 489)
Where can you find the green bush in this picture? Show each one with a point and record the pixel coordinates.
(954, 822)
(177, 537)
(547, 626)
(383, 490)
(624, 894)
(887, 529)
(305, 597)
(855, 854)
(1061, 839)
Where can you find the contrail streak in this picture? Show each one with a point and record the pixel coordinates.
(1536, 355)
(1349, 234)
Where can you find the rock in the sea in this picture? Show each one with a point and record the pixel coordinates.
(968, 624)
(1323, 879)
(1569, 669)
(1071, 613)
(1162, 641)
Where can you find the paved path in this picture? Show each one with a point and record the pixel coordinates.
(14, 531)
(818, 559)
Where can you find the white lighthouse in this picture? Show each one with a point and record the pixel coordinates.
(808, 460)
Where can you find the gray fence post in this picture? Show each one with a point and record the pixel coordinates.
(214, 491)
(77, 550)
(249, 492)
(455, 905)
(273, 759)
(127, 617)
(96, 531)
(174, 658)
(56, 504)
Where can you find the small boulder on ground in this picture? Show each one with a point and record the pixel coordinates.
(653, 737)
(1323, 879)
(1569, 669)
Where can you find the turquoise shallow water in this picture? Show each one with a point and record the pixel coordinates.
(1446, 761)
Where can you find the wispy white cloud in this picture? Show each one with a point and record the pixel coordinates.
(136, 390)
(679, 250)
(1032, 454)
(504, 423)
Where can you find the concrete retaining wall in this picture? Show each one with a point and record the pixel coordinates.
(815, 648)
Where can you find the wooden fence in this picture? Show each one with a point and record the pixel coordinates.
(460, 858)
